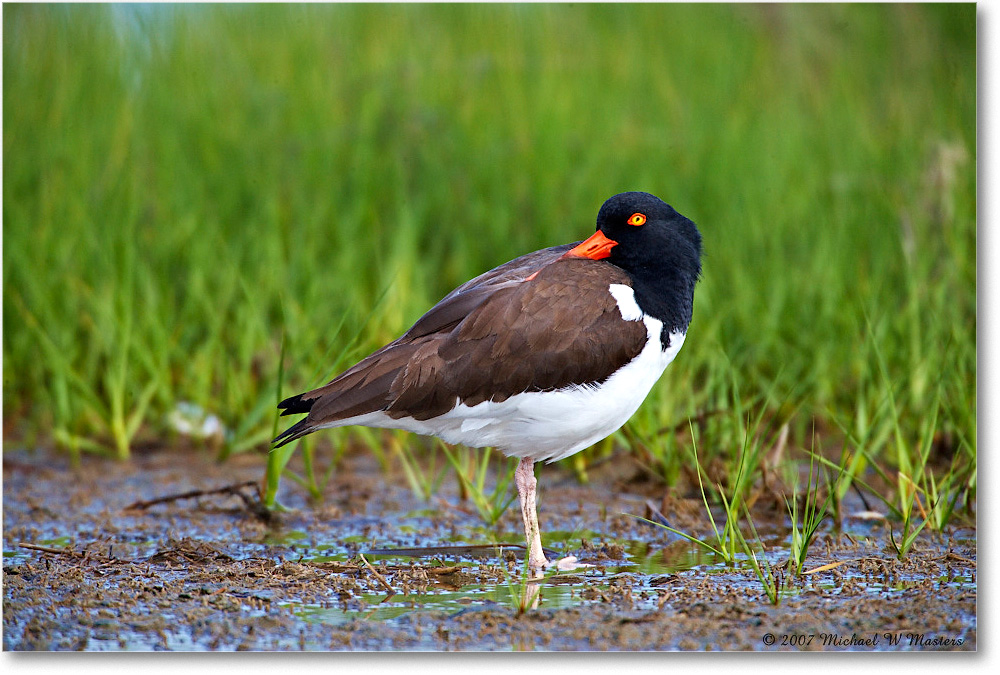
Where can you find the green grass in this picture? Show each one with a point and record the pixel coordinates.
(188, 188)
(725, 540)
(806, 516)
(729, 542)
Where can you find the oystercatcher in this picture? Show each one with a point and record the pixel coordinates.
(540, 357)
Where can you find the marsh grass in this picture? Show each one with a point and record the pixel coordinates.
(770, 577)
(423, 473)
(523, 588)
(195, 197)
(471, 466)
(725, 540)
(806, 519)
(729, 542)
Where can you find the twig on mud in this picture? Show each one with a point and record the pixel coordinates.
(951, 555)
(826, 568)
(48, 549)
(654, 514)
(331, 566)
(378, 576)
(233, 489)
(348, 567)
(441, 571)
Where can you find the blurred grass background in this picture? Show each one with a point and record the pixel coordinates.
(185, 187)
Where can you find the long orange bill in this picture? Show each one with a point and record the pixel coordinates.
(596, 247)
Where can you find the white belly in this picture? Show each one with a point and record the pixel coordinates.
(552, 425)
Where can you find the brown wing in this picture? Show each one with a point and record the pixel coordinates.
(359, 389)
(463, 300)
(561, 328)
(511, 336)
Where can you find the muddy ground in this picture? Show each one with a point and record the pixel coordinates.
(83, 572)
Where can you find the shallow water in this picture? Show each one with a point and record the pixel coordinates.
(206, 574)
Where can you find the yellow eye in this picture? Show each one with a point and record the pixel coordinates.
(636, 219)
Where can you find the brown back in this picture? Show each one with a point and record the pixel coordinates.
(494, 337)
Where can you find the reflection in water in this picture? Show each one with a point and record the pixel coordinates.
(642, 570)
(647, 570)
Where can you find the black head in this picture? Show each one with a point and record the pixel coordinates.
(659, 249)
(652, 237)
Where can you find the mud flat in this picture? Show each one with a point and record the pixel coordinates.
(81, 571)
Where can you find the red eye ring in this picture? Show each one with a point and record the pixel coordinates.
(637, 219)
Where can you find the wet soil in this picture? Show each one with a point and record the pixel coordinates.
(82, 571)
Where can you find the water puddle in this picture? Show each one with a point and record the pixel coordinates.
(636, 574)
(376, 568)
(642, 568)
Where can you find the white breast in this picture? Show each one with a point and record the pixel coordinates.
(552, 425)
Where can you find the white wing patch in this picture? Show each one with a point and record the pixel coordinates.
(625, 297)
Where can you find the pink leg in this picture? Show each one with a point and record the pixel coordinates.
(524, 478)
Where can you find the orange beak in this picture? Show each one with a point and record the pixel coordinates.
(596, 247)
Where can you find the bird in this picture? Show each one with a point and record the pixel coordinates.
(540, 357)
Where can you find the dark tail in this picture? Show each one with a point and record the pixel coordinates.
(291, 406)
(296, 404)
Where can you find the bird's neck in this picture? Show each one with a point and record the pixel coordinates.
(667, 297)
